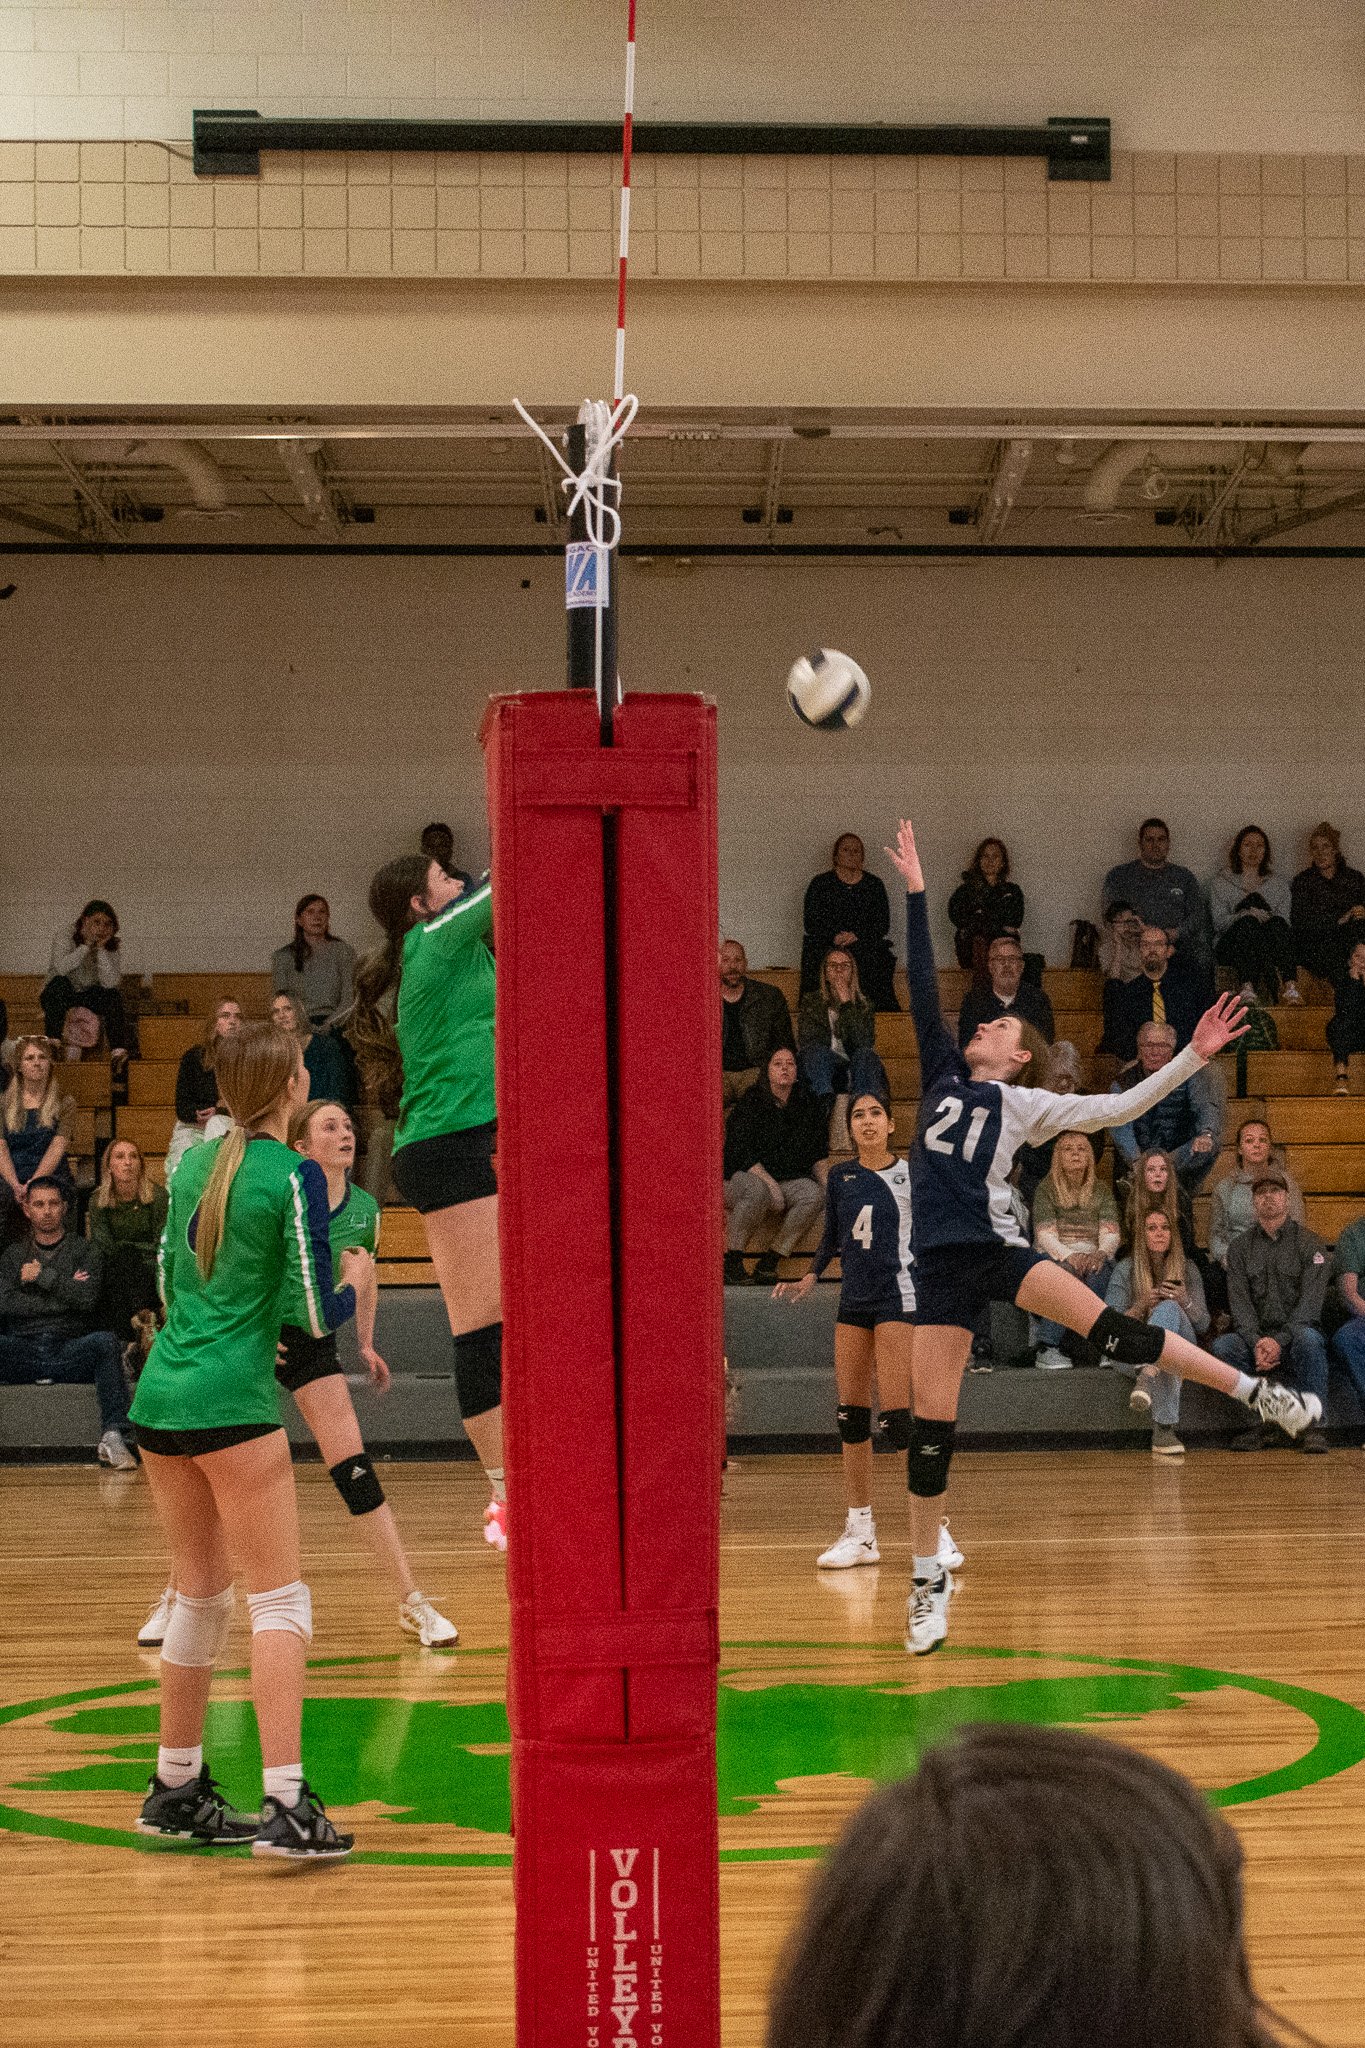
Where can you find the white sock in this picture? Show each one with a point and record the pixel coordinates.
(497, 1479)
(176, 1767)
(860, 1516)
(928, 1568)
(1245, 1388)
(284, 1782)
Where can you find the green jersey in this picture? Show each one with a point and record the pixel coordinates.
(213, 1364)
(354, 1222)
(445, 1022)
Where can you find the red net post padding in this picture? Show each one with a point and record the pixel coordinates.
(612, 1360)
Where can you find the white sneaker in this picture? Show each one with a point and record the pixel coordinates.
(152, 1633)
(926, 1614)
(1050, 1359)
(1140, 1400)
(857, 1545)
(421, 1619)
(1293, 1412)
(1290, 993)
(949, 1556)
(112, 1450)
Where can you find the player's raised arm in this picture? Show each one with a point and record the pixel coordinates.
(937, 1046)
(1218, 1027)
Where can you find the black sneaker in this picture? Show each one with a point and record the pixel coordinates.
(766, 1268)
(301, 1832)
(736, 1272)
(196, 1812)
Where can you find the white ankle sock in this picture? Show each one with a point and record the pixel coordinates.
(497, 1480)
(176, 1767)
(284, 1782)
(927, 1568)
(1245, 1389)
(860, 1515)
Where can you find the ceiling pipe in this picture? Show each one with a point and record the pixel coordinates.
(207, 482)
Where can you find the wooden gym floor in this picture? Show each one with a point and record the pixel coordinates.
(1214, 1616)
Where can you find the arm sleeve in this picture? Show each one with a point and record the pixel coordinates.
(165, 1281)
(281, 972)
(829, 1243)
(308, 1253)
(101, 1236)
(937, 1052)
(1057, 1113)
(186, 1101)
(879, 909)
(812, 1025)
(1313, 1292)
(960, 905)
(1044, 1220)
(65, 958)
(11, 1293)
(739, 1138)
(461, 923)
(79, 1295)
(1219, 1237)
(1012, 907)
(1205, 1102)
(344, 957)
(1244, 1318)
(1199, 1307)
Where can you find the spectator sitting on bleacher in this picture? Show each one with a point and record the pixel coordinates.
(1185, 1123)
(754, 1022)
(1163, 894)
(1348, 1268)
(836, 1031)
(1154, 1184)
(847, 907)
(1164, 992)
(985, 905)
(1120, 948)
(1155, 1285)
(438, 844)
(1250, 907)
(1277, 1283)
(1327, 902)
(49, 1292)
(1063, 1075)
(1007, 994)
(127, 1217)
(1346, 1025)
(315, 967)
(776, 1138)
(1076, 1223)
(329, 1071)
(86, 967)
(37, 1125)
(198, 1112)
(1233, 1211)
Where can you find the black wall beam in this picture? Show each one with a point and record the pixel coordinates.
(228, 141)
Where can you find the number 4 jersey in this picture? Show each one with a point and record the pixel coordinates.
(867, 1222)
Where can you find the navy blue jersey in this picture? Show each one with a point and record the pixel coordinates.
(867, 1222)
(970, 1132)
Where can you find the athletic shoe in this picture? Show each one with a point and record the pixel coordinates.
(766, 1268)
(1165, 1442)
(196, 1812)
(926, 1614)
(1050, 1359)
(421, 1619)
(300, 1833)
(113, 1450)
(1314, 1442)
(1294, 1413)
(857, 1545)
(1140, 1400)
(152, 1633)
(736, 1273)
(949, 1556)
(495, 1524)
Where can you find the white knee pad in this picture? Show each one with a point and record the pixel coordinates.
(198, 1629)
(288, 1609)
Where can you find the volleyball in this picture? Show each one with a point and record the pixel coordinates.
(828, 690)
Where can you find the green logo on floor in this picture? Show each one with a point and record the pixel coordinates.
(412, 1752)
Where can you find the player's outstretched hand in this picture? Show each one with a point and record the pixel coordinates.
(904, 856)
(1219, 1026)
(794, 1290)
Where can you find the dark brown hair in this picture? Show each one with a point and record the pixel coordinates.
(1235, 854)
(974, 865)
(370, 1026)
(301, 946)
(97, 907)
(1027, 1888)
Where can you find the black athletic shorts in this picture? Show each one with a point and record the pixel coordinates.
(440, 1173)
(892, 1310)
(306, 1358)
(194, 1443)
(954, 1283)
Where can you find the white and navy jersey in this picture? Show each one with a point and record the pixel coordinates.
(867, 1222)
(970, 1132)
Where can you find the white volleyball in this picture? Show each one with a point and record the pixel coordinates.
(828, 690)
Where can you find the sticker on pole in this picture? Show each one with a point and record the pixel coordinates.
(585, 575)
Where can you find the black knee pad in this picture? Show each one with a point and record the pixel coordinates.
(855, 1425)
(893, 1429)
(356, 1483)
(929, 1454)
(1125, 1340)
(478, 1370)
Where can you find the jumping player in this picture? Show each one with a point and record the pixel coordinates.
(867, 1223)
(969, 1250)
(435, 1062)
(308, 1367)
(247, 1223)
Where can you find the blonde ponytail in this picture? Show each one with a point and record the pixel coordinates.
(253, 1070)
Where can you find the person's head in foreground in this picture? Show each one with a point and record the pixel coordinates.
(1026, 1888)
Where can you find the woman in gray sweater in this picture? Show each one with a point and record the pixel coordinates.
(314, 967)
(1250, 906)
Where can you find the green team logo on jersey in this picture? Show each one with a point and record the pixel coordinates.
(413, 1751)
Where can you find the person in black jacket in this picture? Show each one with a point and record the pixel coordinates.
(1327, 903)
(848, 907)
(1006, 994)
(777, 1135)
(754, 1022)
(1346, 1025)
(985, 905)
(1166, 992)
(196, 1090)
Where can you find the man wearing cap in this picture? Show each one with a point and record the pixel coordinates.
(1277, 1282)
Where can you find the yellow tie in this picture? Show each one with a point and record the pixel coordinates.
(1158, 1007)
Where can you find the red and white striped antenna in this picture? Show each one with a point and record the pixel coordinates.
(623, 249)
